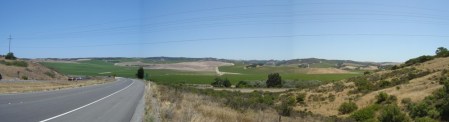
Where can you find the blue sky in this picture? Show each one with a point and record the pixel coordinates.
(381, 30)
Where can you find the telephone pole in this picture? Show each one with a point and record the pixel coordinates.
(9, 49)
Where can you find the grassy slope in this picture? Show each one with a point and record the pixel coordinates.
(94, 67)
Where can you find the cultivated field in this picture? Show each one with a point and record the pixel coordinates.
(234, 73)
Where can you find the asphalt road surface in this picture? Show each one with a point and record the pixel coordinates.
(110, 102)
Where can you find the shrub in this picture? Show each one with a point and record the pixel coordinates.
(339, 86)
(15, 63)
(347, 107)
(1, 77)
(227, 83)
(10, 56)
(381, 97)
(417, 60)
(286, 107)
(241, 84)
(331, 97)
(384, 84)
(392, 113)
(394, 67)
(365, 113)
(301, 98)
(406, 101)
(50, 74)
(384, 98)
(140, 73)
(274, 80)
(218, 82)
(24, 77)
(420, 110)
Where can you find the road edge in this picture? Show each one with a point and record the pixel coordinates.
(139, 112)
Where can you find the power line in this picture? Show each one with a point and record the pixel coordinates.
(266, 5)
(244, 37)
(9, 49)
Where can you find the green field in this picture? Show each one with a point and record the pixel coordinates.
(97, 67)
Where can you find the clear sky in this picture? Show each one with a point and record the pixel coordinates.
(380, 30)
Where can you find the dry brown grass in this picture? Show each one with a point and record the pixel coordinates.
(21, 87)
(171, 106)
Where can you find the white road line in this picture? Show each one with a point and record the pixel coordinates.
(86, 104)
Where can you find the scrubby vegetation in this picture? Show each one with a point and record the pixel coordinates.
(392, 113)
(218, 82)
(347, 107)
(384, 110)
(373, 82)
(14, 63)
(439, 53)
(365, 114)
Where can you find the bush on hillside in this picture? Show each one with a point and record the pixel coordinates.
(339, 86)
(347, 107)
(392, 113)
(422, 109)
(365, 114)
(287, 104)
(14, 63)
(418, 60)
(301, 98)
(274, 80)
(384, 98)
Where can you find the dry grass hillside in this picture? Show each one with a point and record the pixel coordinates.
(13, 69)
(414, 82)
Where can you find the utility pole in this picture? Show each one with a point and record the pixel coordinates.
(9, 50)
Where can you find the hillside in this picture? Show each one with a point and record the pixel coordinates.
(21, 69)
(411, 83)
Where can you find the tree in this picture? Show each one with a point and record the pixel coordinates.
(274, 80)
(10, 56)
(140, 73)
(442, 52)
(347, 107)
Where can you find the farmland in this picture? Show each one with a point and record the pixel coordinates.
(99, 67)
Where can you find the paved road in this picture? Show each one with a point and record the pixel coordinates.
(110, 102)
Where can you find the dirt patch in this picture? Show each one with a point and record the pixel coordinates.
(208, 66)
(219, 73)
(326, 71)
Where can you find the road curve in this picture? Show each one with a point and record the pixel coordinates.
(110, 102)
